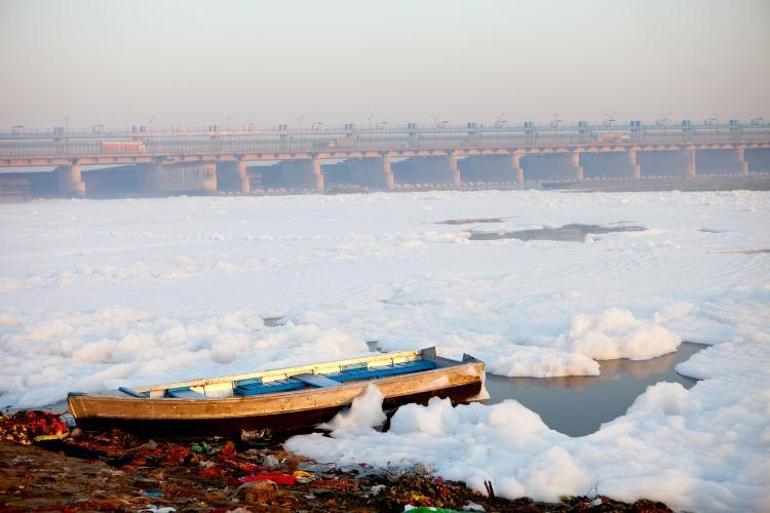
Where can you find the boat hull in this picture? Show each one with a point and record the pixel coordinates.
(281, 413)
(265, 425)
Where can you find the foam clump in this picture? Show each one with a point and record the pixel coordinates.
(364, 413)
(616, 333)
(663, 399)
(538, 362)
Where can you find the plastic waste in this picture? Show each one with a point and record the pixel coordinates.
(276, 477)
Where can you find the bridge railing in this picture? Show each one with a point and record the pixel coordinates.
(370, 143)
(322, 130)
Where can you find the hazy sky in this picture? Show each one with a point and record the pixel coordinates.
(118, 63)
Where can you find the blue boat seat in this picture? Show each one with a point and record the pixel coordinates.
(134, 393)
(256, 387)
(317, 380)
(184, 393)
(384, 371)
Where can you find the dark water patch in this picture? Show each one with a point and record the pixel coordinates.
(753, 251)
(749, 251)
(272, 322)
(472, 220)
(578, 405)
(710, 230)
(567, 233)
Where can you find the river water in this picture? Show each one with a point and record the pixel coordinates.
(578, 405)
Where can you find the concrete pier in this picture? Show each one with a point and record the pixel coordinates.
(70, 179)
(390, 179)
(457, 179)
(242, 170)
(692, 168)
(208, 173)
(575, 159)
(633, 162)
(518, 171)
(318, 175)
(740, 155)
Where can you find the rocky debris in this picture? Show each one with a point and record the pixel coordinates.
(45, 467)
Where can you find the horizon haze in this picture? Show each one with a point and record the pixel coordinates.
(85, 63)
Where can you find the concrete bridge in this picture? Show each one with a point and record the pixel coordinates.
(206, 161)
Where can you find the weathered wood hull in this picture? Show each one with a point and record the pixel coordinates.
(287, 412)
(279, 424)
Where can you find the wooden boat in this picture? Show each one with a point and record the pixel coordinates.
(278, 401)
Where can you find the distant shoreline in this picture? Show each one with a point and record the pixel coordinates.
(753, 182)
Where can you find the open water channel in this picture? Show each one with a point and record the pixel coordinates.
(578, 405)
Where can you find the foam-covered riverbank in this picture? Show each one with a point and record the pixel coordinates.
(96, 293)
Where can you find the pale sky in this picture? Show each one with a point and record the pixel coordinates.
(120, 63)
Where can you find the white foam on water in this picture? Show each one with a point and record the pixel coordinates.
(364, 413)
(99, 293)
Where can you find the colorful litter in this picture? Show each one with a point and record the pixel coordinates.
(46, 467)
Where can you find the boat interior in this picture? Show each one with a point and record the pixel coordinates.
(324, 375)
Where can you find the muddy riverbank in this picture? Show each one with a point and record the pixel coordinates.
(45, 467)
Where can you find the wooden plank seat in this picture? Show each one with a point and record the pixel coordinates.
(383, 371)
(184, 393)
(134, 393)
(317, 380)
(256, 387)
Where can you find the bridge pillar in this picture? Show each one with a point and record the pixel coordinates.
(741, 157)
(233, 176)
(692, 169)
(633, 162)
(209, 177)
(575, 156)
(517, 169)
(390, 180)
(318, 175)
(70, 178)
(457, 179)
(242, 168)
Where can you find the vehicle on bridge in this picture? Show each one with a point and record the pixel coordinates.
(613, 137)
(112, 147)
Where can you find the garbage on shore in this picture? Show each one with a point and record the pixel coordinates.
(45, 466)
